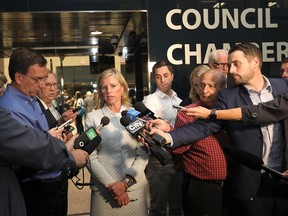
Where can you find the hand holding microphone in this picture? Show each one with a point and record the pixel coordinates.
(137, 128)
(90, 139)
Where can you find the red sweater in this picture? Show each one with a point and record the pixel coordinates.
(203, 159)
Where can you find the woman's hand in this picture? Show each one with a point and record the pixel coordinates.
(116, 188)
(123, 199)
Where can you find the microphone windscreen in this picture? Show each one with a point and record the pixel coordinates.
(105, 121)
(250, 160)
(125, 120)
(139, 106)
(124, 112)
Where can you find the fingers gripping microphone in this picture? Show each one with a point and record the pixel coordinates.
(90, 139)
(135, 128)
(250, 160)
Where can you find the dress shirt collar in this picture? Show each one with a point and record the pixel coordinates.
(161, 94)
(267, 86)
(15, 92)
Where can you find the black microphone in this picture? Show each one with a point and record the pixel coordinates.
(90, 139)
(104, 121)
(144, 111)
(250, 160)
(135, 128)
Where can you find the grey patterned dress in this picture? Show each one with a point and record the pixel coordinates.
(117, 155)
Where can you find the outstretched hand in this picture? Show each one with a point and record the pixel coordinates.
(197, 112)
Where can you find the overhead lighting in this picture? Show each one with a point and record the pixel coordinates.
(94, 40)
(218, 5)
(96, 33)
(94, 50)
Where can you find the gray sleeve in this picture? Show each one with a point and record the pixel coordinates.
(266, 113)
(25, 146)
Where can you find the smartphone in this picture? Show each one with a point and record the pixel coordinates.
(65, 124)
(68, 129)
(76, 109)
(179, 107)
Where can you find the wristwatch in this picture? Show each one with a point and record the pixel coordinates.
(129, 181)
(213, 115)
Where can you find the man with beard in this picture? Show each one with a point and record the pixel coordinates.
(254, 192)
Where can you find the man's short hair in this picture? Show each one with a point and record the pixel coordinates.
(161, 64)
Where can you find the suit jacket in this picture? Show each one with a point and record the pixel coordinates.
(245, 181)
(52, 122)
(269, 112)
(25, 146)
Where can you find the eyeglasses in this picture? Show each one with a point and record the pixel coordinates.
(50, 85)
(221, 65)
(37, 79)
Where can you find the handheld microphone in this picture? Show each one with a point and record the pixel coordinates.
(90, 139)
(135, 128)
(132, 114)
(250, 160)
(104, 121)
(144, 111)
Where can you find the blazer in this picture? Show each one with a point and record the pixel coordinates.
(52, 122)
(269, 112)
(245, 181)
(25, 146)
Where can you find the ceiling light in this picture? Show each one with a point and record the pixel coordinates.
(96, 33)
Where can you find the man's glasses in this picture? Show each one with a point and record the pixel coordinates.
(50, 85)
(37, 79)
(221, 65)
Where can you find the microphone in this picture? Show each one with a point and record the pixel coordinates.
(90, 139)
(132, 114)
(135, 128)
(104, 121)
(250, 160)
(144, 111)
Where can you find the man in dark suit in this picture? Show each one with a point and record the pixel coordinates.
(25, 146)
(254, 193)
(56, 192)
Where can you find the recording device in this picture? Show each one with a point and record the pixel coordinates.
(178, 107)
(76, 109)
(67, 127)
(90, 139)
(135, 128)
(250, 160)
(64, 124)
(133, 114)
(144, 111)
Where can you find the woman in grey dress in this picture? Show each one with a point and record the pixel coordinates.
(117, 164)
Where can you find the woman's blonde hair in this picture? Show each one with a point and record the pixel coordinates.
(197, 71)
(124, 97)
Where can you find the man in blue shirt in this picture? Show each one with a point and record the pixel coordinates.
(27, 71)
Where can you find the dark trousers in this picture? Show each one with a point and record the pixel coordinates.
(271, 199)
(46, 197)
(165, 188)
(202, 197)
(79, 124)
